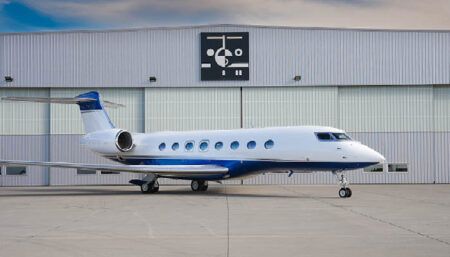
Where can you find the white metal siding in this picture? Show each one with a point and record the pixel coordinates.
(441, 158)
(441, 108)
(66, 119)
(321, 56)
(66, 148)
(20, 118)
(25, 147)
(386, 108)
(289, 106)
(191, 109)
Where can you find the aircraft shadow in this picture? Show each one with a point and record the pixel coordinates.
(74, 192)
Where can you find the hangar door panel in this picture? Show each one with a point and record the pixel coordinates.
(22, 118)
(289, 106)
(397, 121)
(67, 130)
(441, 95)
(386, 108)
(23, 136)
(191, 109)
(66, 119)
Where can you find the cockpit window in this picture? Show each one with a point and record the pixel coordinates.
(324, 136)
(328, 136)
(341, 136)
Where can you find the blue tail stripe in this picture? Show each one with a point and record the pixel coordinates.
(95, 105)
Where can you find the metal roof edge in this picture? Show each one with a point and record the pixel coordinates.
(223, 25)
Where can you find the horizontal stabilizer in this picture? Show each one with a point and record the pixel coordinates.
(59, 100)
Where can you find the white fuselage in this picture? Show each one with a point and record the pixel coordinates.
(293, 148)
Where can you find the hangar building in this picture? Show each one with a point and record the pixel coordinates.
(390, 89)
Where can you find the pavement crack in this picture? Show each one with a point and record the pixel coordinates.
(370, 217)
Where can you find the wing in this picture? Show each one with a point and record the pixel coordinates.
(166, 170)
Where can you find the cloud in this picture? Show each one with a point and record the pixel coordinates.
(394, 14)
(367, 3)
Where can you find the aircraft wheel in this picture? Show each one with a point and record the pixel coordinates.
(195, 185)
(199, 185)
(204, 186)
(342, 193)
(149, 188)
(349, 192)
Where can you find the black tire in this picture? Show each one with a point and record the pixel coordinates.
(199, 185)
(349, 192)
(145, 188)
(342, 193)
(150, 188)
(195, 185)
(155, 187)
(204, 186)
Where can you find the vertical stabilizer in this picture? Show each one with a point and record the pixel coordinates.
(93, 114)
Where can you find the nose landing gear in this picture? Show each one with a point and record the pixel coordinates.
(345, 191)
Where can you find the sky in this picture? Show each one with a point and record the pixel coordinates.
(51, 15)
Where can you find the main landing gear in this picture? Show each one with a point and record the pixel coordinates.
(345, 191)
(150, 188)
(149, 184)
(199, 185)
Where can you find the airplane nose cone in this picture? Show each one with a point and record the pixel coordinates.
(369, 155)
(378, 157)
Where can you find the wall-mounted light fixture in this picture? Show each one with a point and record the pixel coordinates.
(152, 79)
(297, 78)
(9, 79)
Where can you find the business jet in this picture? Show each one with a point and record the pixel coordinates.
(216, 155)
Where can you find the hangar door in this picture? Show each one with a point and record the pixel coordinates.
(177, 109)
(67, 129)
(191, 108)
(24, 136)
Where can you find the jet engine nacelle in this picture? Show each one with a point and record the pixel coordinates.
(111, 141)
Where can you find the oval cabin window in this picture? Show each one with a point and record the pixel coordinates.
(219, 145)
(204, 146)
(234, 145)
(269, 144)
(189, 146)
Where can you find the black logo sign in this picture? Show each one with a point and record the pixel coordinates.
(224, 56)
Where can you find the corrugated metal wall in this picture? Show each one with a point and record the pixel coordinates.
(24, 136)
(66, 130)
(389, 89)
(398, 121)
(13, 115)
(408, 124)
(264, 107)
(442, 135)
(321, 56)
(67, 148)
(191, 109)
(25, 147)
(65, 119)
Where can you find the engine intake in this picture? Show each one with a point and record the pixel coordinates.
(112, 141)
(124, 141)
